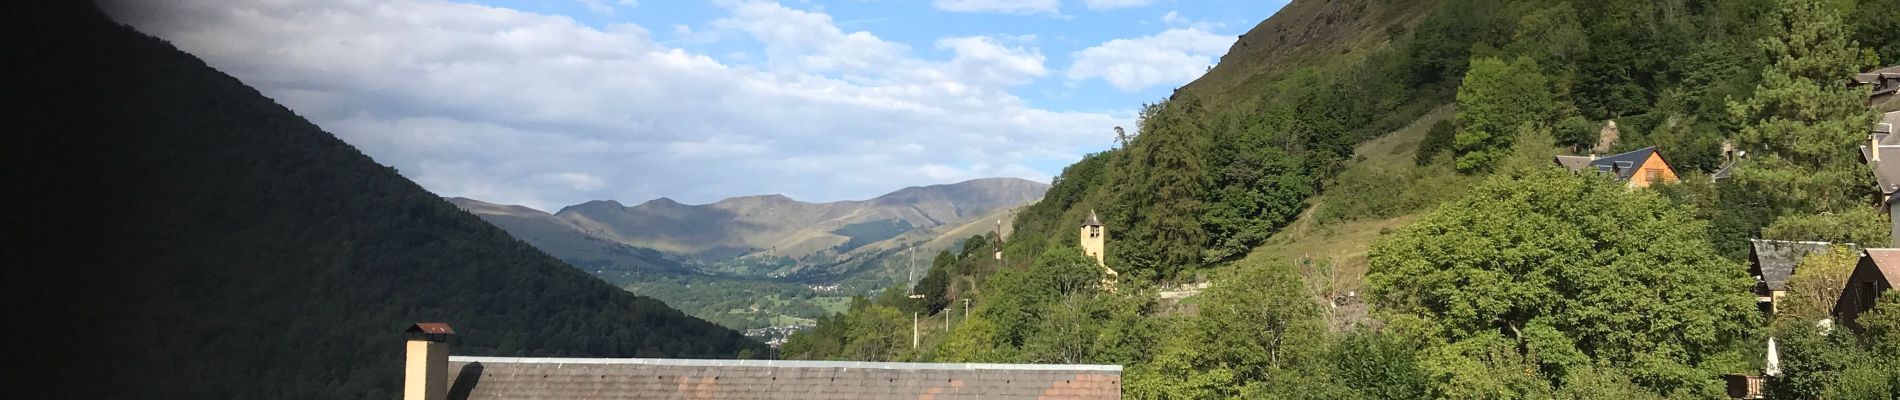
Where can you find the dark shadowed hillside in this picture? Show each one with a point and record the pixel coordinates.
(172, 233)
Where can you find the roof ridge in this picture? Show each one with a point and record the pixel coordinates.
(788, 363)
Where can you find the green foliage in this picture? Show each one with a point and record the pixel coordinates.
(1577, 133)
(1803, 118)
(1379, 366)
(1842, 364)
(1161, 205)
(1874, 26)
(1256, 188)
(1816, 286)
(1860, 225)
(935, 287)
(1437, 141)
(1020, 296)
(1576, 255)
(1257, 324)
(875, 333)
(1498, 100)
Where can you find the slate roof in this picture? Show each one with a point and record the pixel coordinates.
(1092, 220)
(636, 378)
(1724, 172)
(1886, 172)
(1574, 163)
(1884, 128)
(1773, 261)
(1877, 75)
(1623, 166)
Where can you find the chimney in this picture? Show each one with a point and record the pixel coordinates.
(1873, 149)
(426, 369)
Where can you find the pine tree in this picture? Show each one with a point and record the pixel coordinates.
(1803, 123)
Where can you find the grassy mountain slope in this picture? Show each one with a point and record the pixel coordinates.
(1306, 33)
(178, 235)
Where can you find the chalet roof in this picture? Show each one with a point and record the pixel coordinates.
(636, 378)
(1092, 220)
(1622, 166)
(1886, 172)
(1773, 261)
(1888, 262)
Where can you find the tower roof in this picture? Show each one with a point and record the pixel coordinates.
(1092, 220)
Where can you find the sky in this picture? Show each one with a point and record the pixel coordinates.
(550, 103)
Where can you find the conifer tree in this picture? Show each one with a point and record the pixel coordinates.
(1803, 123)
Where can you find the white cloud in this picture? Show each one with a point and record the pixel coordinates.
(597, 6)
(984, 59)
(1115, 4)
(522, 108)
(1000, 6)
(1172, 57)
(1174, 18)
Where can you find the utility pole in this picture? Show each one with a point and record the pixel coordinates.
(914, 334)
(966, 310)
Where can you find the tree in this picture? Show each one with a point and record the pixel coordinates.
(1816, 285)
(935, 287)
(1875, 26)
(1255, 325)
(1162, 197)
(1803, 120)
(876, 333)
(1498, 100)
(1858, 225)
(1570, 268)
(1437, 141)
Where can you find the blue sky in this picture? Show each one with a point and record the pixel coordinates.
(554, 102)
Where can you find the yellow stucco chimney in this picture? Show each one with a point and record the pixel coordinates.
(426, 369)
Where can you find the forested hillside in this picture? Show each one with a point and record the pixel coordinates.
(172, 233)
(1481, 270)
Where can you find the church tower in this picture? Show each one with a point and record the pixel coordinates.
(1094, 238)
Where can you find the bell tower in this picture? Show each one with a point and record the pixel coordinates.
(1094, 238)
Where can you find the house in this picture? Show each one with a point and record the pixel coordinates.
(1881, 145)
(1772, 262)
(1877, 272)
(1882, 83)
(433, 374)
(1094, 240)
(1639, 168)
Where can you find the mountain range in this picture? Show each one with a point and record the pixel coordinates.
(724, 234)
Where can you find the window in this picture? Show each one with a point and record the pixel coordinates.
(1095, 231)
(1866, 295)
(1652, 174)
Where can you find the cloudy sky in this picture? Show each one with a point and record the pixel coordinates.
(554, 102)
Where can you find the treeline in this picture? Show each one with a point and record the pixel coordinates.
(730, 301)
(172, 233)
(1534, 283)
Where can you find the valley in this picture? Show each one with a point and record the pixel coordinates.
(759, 262)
